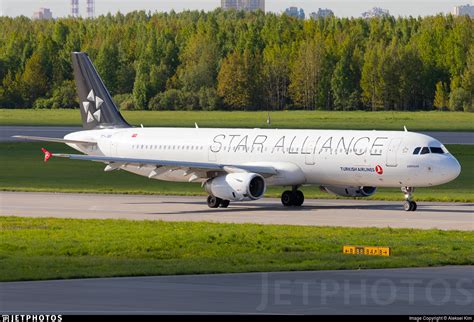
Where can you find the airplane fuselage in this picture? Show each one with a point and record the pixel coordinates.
(319, 157)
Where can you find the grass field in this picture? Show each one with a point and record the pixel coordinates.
(34, 248)
(23, 169)
(419, 121)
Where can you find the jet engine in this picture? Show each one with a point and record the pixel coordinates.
(237, 186)
(350, 191)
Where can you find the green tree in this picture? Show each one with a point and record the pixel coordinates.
(371, 80)
(345, 81)
(199, 63)
(108, 65)
(34, 79)
(239, 82)
(306, 75)
(140, 90)
(334, 63)
(468, 81)
(459, 99)
(410, 84)
(276, 73)
(441, 97)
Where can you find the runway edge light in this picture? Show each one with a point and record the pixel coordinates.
(367, 250)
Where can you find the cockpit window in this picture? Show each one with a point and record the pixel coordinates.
(417, 150)
(436, 150)
(425, 150)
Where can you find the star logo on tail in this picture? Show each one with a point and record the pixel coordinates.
(93, 113)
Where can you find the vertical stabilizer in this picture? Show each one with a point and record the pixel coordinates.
(96, 105)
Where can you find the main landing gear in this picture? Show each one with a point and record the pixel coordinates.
(292, 198)
(409, 204)
(214, 202)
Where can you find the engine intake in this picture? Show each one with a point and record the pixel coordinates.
(349, 191)
(237, 186)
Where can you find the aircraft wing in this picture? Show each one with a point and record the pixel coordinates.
(45, 139)
(116, 162)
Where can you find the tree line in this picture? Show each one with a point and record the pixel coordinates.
(243, 61)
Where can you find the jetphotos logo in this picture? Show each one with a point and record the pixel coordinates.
(31, 318)
(92, 107)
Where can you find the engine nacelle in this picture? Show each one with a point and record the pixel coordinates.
(237, 186)
(350, 191)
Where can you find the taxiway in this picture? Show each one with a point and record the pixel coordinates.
(344, 213)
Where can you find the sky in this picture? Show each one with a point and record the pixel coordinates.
(342, 8)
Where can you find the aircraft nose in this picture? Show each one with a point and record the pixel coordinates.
(453, 169)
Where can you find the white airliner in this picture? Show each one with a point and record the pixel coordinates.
(239, 164)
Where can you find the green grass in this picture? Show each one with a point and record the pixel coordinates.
(358, 120)
(42, 248)
(23, 169)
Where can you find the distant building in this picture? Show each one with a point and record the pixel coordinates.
(43, 13)
(253, 5)
(322, 13)
(375, 12)
(466, 10)
(230, 4)
(295, 12)
(247, 5)
(90, 9)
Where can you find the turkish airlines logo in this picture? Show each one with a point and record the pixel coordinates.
(93, 114)
(379, 169)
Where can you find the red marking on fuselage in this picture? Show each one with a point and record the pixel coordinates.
(379, 169)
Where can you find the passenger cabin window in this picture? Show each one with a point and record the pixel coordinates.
(436, 150)
(417, 150)
(425, 150)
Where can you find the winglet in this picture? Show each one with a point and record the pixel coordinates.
(47, 154)
(405, 128)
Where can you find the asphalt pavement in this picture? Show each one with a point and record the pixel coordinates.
(411, 291)
(267, 211)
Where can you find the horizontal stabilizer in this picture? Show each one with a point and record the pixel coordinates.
(45, 139)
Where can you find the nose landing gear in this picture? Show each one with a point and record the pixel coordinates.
(409, 204)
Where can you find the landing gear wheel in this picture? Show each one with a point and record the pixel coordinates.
(410, 206)
(213, 202)
(298, 198)
(292, 198)
(287, 199)
(407, 206)
(225, 203)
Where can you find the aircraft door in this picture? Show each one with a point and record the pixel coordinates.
(392, 158)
